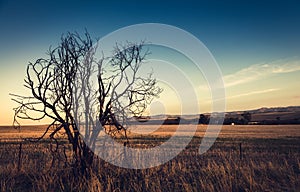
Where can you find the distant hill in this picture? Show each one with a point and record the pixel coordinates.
(261, 116)
(276, 115)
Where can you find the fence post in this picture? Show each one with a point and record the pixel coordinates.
(20, 157)
(241, 152)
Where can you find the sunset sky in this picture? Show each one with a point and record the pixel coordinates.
(255, 43)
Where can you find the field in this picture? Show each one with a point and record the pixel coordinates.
(244, 158)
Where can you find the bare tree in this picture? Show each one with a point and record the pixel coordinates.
(63, 89)
(125, 93)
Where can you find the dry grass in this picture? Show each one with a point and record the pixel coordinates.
(270, 162)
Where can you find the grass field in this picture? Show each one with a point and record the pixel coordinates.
(269, 161)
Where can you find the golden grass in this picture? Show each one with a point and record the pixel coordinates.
(227, 131)
(29, 131)
(270, 162)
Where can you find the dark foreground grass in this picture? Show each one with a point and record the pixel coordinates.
(266, 165)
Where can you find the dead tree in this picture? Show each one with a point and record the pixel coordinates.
(62, 89)
(124, 94)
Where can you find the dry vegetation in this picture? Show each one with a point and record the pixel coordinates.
(270, 162)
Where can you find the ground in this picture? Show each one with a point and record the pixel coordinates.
(269, 161)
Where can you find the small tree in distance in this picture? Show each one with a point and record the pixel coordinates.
(247, 117)
(62, 89)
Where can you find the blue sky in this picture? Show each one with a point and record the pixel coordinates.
(245, 37)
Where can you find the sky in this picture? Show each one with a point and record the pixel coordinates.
(255, 43)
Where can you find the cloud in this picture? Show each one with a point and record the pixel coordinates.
(252, 93)
(259, 71)
(242, 95)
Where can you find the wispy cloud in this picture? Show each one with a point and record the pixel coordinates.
(252, 93)
(259, 71)
(243, 95)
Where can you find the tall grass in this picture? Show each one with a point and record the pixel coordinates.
(267, 164)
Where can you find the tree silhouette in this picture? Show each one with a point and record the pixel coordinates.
(203, 119)
(63, 90)
(247, 117)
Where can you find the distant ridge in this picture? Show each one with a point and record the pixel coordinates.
(263, 115)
